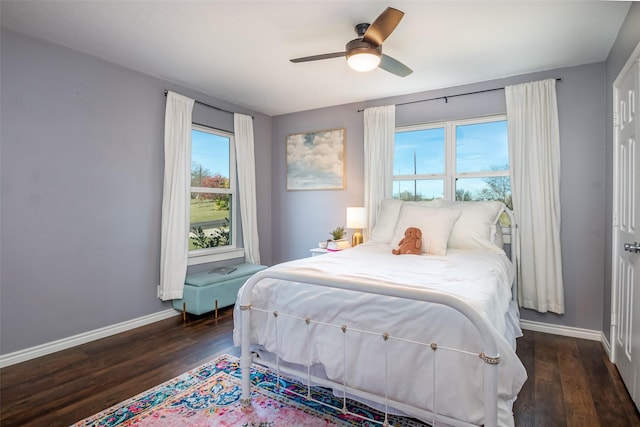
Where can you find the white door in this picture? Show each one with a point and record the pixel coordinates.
(626, 232)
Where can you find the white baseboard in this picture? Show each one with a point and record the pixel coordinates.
(83, 338)
(567, 331)
(607, 346)
(65, 343)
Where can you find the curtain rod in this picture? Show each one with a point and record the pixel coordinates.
(209, 105)
(446, 98)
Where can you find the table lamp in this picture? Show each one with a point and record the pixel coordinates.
(357, 219)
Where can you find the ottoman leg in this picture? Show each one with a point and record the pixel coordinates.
(184, 312)
(216, 315)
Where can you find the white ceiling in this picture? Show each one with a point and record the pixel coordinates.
(239, 51)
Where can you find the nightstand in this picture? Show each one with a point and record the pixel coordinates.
(318, 251)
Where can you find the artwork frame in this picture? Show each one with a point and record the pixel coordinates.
(316, 160)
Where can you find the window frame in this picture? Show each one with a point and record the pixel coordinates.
(450, 175)
(233, 250)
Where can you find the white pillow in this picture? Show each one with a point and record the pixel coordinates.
(386, 220)
(388, 216)
(476, 227)
(497, 238)
(435, 224)
(435, 203)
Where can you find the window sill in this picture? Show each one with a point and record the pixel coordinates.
(218, 256)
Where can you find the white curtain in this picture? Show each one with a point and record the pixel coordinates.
(379, 136)
(245, 159)
(174, 247)
(534, 154)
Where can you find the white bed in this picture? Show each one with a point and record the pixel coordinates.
(397, 368)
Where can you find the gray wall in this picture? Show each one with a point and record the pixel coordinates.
(81, 165)
(301, 219)
(81, 189)
(627, 40)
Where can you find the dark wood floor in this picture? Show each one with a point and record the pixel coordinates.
(571, 382)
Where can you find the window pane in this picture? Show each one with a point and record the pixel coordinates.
(209, 220)
(487, 188)
(482, 147)
(419, 152)
(209, 160)
(421, 189)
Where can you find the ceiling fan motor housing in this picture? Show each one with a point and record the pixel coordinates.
(357, 46)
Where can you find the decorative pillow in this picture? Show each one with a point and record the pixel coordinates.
(476, 227)
(435, 224)
(386, 220)
(388, 216)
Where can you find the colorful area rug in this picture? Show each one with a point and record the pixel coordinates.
(210, 396)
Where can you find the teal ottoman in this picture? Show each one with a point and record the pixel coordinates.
(209, 290)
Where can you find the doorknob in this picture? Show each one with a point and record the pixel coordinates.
(632, 247)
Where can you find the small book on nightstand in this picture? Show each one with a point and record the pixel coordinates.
(338, 245)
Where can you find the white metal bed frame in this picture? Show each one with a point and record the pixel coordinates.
(489, 353)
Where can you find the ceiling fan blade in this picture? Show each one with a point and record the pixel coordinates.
(383, 26)
(319, 57)
(394, 66)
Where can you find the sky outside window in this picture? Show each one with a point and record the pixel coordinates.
(482, 147)
(479, 147)
(211, 152)
(427, 145)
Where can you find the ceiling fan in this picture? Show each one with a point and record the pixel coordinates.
(365, 52)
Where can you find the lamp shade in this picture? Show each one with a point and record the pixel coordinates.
(356, 217)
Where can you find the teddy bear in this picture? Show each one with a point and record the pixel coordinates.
(411, 243)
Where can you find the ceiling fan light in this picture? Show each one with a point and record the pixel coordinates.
(364, 61)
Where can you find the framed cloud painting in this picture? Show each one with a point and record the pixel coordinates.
(315, 160)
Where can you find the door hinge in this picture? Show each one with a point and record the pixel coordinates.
(615, 119)
(614, 319)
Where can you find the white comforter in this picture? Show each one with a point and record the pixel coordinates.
(482, 279)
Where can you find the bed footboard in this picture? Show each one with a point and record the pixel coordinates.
(489, 353)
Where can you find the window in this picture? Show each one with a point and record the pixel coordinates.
(457, 160)
(212, 202)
